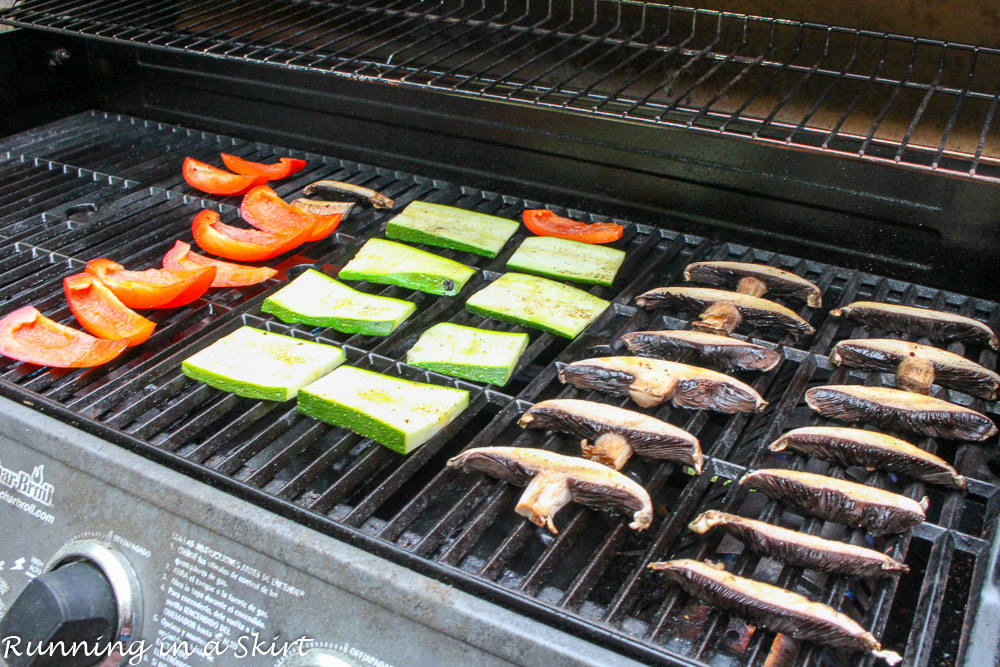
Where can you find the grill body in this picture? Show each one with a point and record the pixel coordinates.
(106, 182)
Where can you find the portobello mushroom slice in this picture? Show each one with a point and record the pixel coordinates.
(650, 382)
(754, 279)
(699, 347)
(553, 480)
(816, 553)
(610, 434)
(918, 366)
(350, 191)
(772, 607)
(323, 207)
(901, 410)
(722, 311)
(923, 322)
(870, 450)
(876, 510)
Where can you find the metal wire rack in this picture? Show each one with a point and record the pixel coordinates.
(919, 103)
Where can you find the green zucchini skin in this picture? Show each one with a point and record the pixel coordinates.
(391, 263)
(565, 259)
(316, 299)
(537, 303)
(452, 227)
(473, 354)
(336, 414)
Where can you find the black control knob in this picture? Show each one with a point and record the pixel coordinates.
(74, 603)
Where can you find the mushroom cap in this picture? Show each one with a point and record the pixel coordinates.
(646, 435)
(797, 548)
(686, 346)
(870, 450)
(839, 500)
(652, 381)
(950, 369)
(894, 408)
(923, 322)
(757, 312)
(590, 483)
(778, 281)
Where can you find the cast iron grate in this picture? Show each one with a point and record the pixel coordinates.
(100, 184)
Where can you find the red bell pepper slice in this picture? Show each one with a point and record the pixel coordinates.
(227, 274)
(29, 336)
(215, 181)
(546, 223)
(152, 288)
(284, 168)
(265, 210)
(231, 242)
(101, 313)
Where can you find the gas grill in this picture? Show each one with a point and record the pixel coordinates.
(866, 162)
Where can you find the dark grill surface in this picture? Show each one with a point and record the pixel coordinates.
(921, 103)
(102, 185)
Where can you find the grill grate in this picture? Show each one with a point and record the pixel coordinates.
(99, 184)
(921, 103)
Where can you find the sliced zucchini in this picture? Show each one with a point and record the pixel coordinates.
(391, 263)
(317, 299)
(468, 352)
(450, 227)
(538, 303)
(261, 364)
(580, 262)
(400, 414)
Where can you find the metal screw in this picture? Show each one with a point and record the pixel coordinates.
(58, 57)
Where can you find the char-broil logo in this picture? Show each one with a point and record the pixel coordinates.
(31, 485)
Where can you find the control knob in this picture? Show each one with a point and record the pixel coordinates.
(87, 597)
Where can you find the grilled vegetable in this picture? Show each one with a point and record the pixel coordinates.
(923, 322)
(838, 500)
(397, 413)
(546, 223)
(391, 263)
(29, 336)
(260, 364)
(213, 180)
(553, 480)
(734, 274)
(469, 353)
(450, 227)
(340, 190)
(284, 168)
(101, 313)
(538, 303)
(265, 210)
(731, 309)
(610, 434)
(320, 207)
(774, 608)
(317, 299)
(227, 274)
(800, 549)
(945, 368)
(903, 410)
(230, 242)
(564, 259)
(152, 288)
(871, 450)
(650, 382)
(699, 347)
